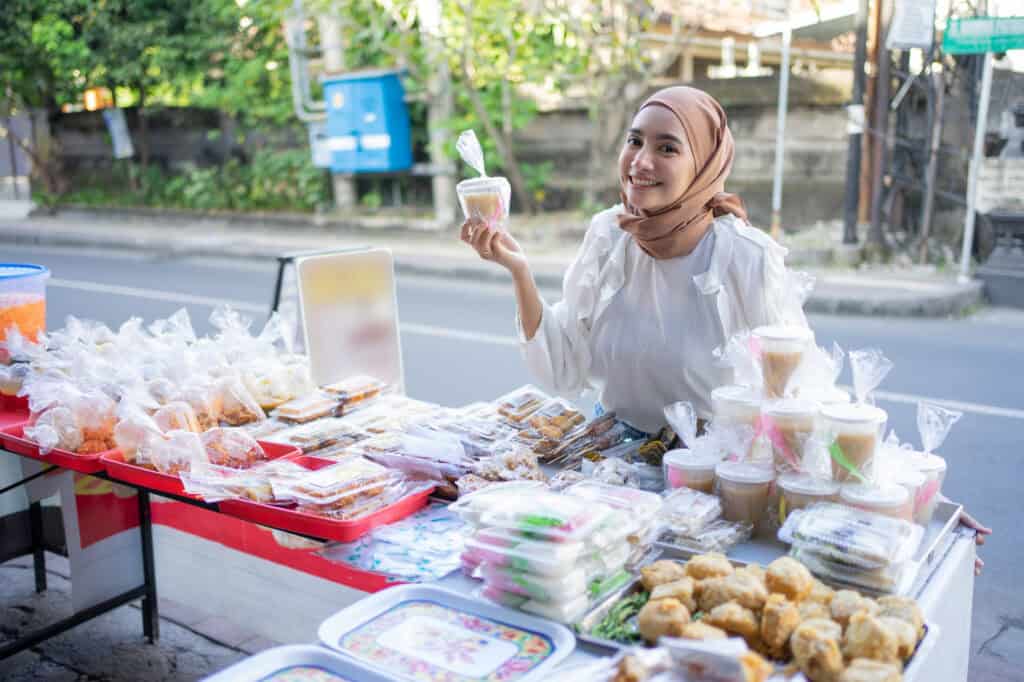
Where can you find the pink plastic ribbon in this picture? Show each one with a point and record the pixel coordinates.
(754, 344)
(926, 493)
(767, 426)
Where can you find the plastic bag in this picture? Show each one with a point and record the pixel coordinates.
(682, 417)
(856, 537)
(176, 416)
(232, 448)
(934, 423)
(56, 427)
(869, 367)
(742, 354)
(206, 400)
(239, 406)
(819, 371)
(176, 452)
(136, 429)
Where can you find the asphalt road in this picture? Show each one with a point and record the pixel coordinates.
(458, 347)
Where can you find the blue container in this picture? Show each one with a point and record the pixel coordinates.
(367, 122)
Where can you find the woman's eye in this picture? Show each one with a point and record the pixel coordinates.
(668, 149)
(633, 141)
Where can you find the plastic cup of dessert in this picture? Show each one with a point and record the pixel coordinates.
(890, 499)
(799, 490)
(857, 429)
(486, 199)
(782, 350)
(732, 405)
(934, 469)
(683, 469)
(745, 489)
(788, 424)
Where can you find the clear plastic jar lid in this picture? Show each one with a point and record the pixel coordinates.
(782, 332)
(791, 407)
(805, 484)
(18, 270)
(682, 458)
(857, 413)
(889, 495)
(741, 395)
(482, 185)
(927, 462)
(745, 472)
(825, 396)
(908, 476)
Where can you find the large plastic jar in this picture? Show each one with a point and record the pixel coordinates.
(857, 429)
(745, 490)
(683, 469)
(934, 469)
(733, 405)
(782, 351)
(788, 424)
(797, 491)
(23, 299)
(890, 499)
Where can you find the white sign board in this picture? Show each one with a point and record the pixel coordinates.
(117, 126)
(913, 24)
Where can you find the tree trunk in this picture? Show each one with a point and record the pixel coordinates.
(143, 129)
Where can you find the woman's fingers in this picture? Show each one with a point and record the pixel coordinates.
(482, 239)
(982, 530)
(469, 228)
(978, 566)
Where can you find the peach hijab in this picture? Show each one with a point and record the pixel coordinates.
(676, 229)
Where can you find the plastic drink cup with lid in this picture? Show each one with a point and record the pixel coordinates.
(684, 469)
(788, 424)
(782, 350)
(484, 198)
(857, 430)
(890, 499)
(798, 490)
(824, 396)
(22, 300)
(745, 489)
(911, 479)
(933, 467)
(732, 405)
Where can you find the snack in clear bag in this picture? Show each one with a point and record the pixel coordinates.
(883, 580)
(55, 428)
(174, 453)
(206, 401)
(564, 479)
(614, 471)
(319, 434)
(176, 416)
(484, 198)
(716, 536)
(602, 433)
(687, 511)
(308, 408)
(513, 464)
(555, 517)
(642, 505)
(12, 378)
(239, 407)
(268, 427)
(472, 506)
(518, 405)
(782, 349)
(556, 418)
(232, 448)
(356, 389)
(859, 538)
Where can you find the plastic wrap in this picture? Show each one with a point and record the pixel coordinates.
(688, 511)
(67, 418)
(510, 465)
(856, 537)
(641, 505)
(135, 430)
(887, 579)
(518, 405)
(682, 417)
(614, 471)
(484, 198)
(716, 536)
(544, 515)
(175, 452)
(473, 506)
(232, 448)
(602, 433)
(869, 367)
(308, 408)
(318, 435)
(818, 373)
(741, 354)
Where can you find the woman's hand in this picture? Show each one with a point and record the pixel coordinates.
(982, 532)
(494, 245)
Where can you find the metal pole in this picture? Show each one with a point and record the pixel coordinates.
(939, 101)
(329, 25)
(440, 109)
(780, 133)
(976, 160)
(853, 152)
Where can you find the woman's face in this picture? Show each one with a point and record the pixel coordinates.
(655, 165)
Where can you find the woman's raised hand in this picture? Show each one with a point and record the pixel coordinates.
(495, 245)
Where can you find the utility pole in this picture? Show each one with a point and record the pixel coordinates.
(329, 25)
(780, 132)
(876, 236)
(939, 88)
(856, 128)
(440, 109)
(870, 138)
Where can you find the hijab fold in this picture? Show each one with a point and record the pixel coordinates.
(676, 229)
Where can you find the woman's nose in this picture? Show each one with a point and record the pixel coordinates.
(642, 161)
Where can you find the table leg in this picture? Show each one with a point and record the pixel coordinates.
(35, 521)
(150, 609)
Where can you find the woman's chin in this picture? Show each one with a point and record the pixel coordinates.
(642, 200)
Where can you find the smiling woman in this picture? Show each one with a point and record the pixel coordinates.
(661, 280)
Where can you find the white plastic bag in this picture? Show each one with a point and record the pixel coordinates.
(869, 367)
(934, 423)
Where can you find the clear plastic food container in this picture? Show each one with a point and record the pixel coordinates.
(307, 408)
(502, 548)
(518, 405)
(356, 389)
(546, 515)
(857, 430)
(797, 491)
(746, 490)
(934, 469)
(854, 536)
(731, 405)
(688, 511)
(782, 351)
(471, 508)
(884, 580)
(486, 199)
(683, 469)
(22, 300)
(542, 588)
(716, 536)
(788, 424)
(319, 434)
(641, 504)
(890, 499)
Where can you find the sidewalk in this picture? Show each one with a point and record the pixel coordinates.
(110, 648)
(882, 291)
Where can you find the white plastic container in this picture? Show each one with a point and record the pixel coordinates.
(788, 424)
(732, 405)
(934, 469)
(745, 490)
(857, 430)
(797, 491)
(486, 199)
(782, 351)
(889, 499)
(683, 469)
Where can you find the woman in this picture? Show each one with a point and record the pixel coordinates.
(661, 280)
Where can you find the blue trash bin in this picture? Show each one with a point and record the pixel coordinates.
(367, 122)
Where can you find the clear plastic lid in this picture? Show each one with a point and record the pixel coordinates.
(542, 588)
(784, 338)
(518, 405)
(857, 537)
(791, 408)
(356, 389)
(927, 462)
(354, 475)
(736, 396)
(688, 511)
(307, 408)
(824, 395)
(642, 505)
(805, 484)
(473, 506)
(745, 472)
(855, 413)
(885, 495)
(544, 515)
(683, 458)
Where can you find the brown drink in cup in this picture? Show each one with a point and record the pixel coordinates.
(788, 424)
(745, 489)
(857, 431)
(782, 351)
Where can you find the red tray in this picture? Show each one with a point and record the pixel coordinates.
(290, 519)
(13, 411)
(158, 481)
(13, 438)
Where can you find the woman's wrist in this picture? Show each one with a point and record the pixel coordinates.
(521, 271)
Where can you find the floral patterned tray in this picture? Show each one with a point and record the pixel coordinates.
(298, 663)
(428, 634)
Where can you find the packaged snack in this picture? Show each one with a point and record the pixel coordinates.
(484, 198)
(232, 448)
(542, 588)
(356, 389)
(564, 479)
(266, 428)
(307, 408)
(716, 536)
(516, 407)
(509, 465)
(688, 511)
(472, 507)
(176, 452)
(561, 611)
(207, 403)
(555, 419)
(319, 434)
(545, 515)
(857, 537)
(347, 486)
(685, 469)
(176, 416)
(614, 471)
(239, 405)
(889, 499)
(883, 580)
(641, 505)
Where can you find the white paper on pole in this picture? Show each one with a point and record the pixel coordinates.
(117, 126)
(913, 24)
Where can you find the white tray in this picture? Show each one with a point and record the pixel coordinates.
(271, 661)
(424, 631)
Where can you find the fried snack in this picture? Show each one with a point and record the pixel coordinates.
(867, 637)
(906, 637)
(904, 609)
(814, 610)
(820, 593)
(98, 438)
(176, 416)
(815, 647)
(778, 620)
(681, 589)
(739, 587)
(711, 565)
(663, 617)
(660, 573)
(734, 619)
(755, 571)
(755, 668)
(789, 577)
(845, 603)
(630, 669)
(700, 630)
(865, 670)
(232, 448)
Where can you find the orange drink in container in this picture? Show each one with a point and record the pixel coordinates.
(22, 300)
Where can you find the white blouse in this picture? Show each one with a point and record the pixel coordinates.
(642, 331)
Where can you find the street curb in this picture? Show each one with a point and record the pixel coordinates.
(954, 304)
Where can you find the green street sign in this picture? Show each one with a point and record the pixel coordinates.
(983, 34)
